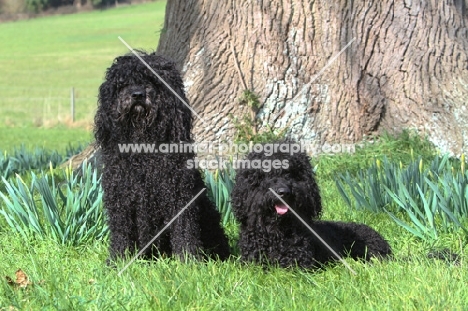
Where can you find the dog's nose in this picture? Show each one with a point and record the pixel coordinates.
(138, 94)
(283, 191)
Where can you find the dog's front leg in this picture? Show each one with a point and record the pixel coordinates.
(122, 228)
(185, 233)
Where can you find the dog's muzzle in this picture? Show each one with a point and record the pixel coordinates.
(138, 101)
(139, 108)
(284, 192)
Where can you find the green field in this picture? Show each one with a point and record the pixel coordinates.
(66, 277)
(42, 59)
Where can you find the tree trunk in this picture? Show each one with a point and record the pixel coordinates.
(403, 65)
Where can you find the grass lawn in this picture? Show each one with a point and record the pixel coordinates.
(56, 138)
(76, 278)
(42, 59)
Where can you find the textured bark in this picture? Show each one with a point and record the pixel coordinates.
(405, 68)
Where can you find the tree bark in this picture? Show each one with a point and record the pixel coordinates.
(405, 66)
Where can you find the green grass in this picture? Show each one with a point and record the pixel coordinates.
(57, 138)
(68, 278)
(405, 147)
(76, 278)
(42, 59)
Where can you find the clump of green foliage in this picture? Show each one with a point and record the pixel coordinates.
(23, 160)
(433, 196)
(69, 211)
(6, 165)
(246, 126)
(219, 185)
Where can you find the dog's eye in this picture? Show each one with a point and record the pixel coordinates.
(121, 87)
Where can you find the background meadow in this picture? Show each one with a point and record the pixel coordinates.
(42, 59)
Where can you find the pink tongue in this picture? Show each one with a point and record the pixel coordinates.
(281, 209)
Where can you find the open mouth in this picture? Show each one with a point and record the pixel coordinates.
(281, 208)
(284, 198)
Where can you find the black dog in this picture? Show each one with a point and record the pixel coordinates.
(143, 191)
(270, 232)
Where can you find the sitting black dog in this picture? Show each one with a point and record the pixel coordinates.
(144, 190)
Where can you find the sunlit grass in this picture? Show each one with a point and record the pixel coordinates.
(77, 278)
(42, 59)
(57, 138)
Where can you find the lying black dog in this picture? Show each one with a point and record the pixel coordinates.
(270, 232)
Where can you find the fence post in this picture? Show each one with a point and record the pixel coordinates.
(72, 103)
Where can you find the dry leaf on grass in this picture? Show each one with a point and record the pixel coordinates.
(22, 279)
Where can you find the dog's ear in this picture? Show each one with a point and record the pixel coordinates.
(311, 200)
(102, 128)
(103, 121)
(243, 196)
(238, 208)
(237, 198)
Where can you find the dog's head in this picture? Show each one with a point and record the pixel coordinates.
(135, 104)
(268, 185)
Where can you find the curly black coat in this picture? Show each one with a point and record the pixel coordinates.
(271, 233)
(144, 191)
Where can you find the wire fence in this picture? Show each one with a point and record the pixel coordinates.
(46, 106)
